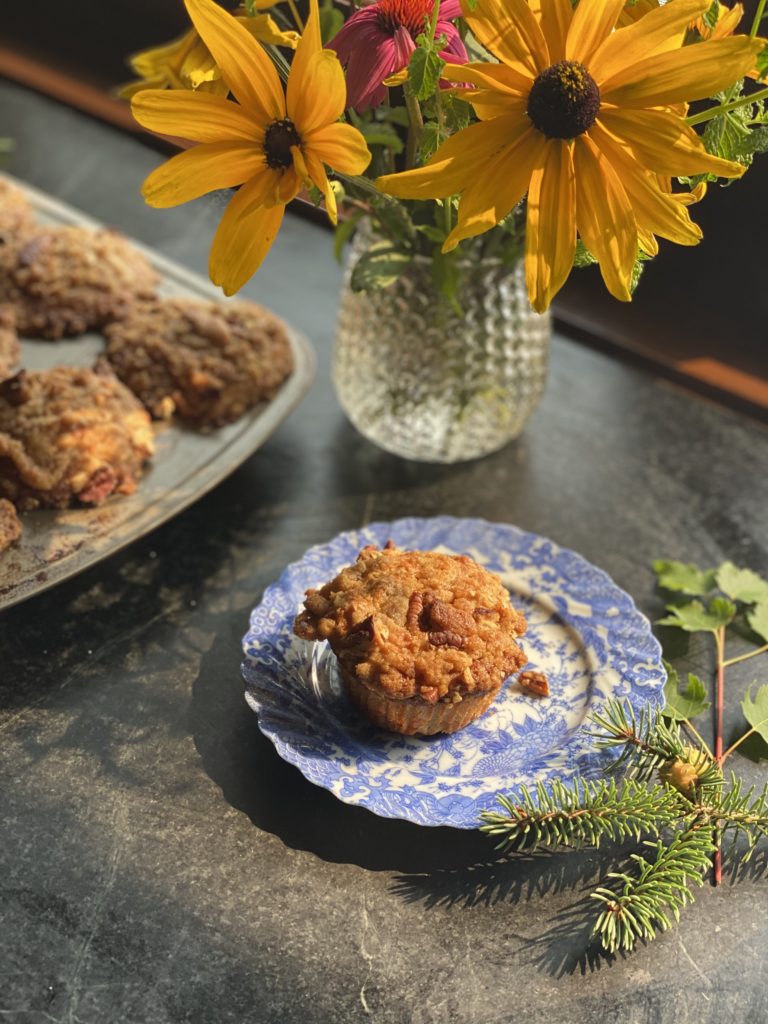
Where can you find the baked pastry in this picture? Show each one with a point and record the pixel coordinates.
(16, 215)
(10, 524)
(10, 352)
(209, 362)
(70, 435)
(67, 280)
(424, 640)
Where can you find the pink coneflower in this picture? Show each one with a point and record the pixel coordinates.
(378, 41)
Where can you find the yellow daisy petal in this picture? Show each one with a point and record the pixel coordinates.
(289, 185)
(300, 167)
(604, 217)
(340, 146)
(550, 230)
(490, 196)
(647, 242)
(691, 73)
(456, 162)
(197, 116)
(627, 46)
(203, 169)
(320, 179)
(556, 18)
(656, 211)
(244, 64)
(666, 143)
(487, 104)
(264, 28)
(317, 90)
(510, 31)
(245, 234)
(489, 76)
(593, 21)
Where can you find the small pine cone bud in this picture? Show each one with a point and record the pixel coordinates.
(683, 773)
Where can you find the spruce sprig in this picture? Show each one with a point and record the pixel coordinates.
(582, 814)
(642, 906)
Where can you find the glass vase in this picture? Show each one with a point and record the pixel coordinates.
(426, 380)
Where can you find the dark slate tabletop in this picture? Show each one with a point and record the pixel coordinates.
(160, 863)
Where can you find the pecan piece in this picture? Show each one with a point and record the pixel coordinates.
(535, 683)
(445, 638)
(443, 617)
(362, 632)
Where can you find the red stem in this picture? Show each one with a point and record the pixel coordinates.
(717, 861)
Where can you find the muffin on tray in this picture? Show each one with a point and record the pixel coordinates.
(70, 436)
(424, 640)
(67, 280)
(10, 524)
(10, 351)
(209, 362)
(17, 217)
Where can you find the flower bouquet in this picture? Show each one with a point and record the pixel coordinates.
(483, 148)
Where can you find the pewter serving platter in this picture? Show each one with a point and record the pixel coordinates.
(187, 463)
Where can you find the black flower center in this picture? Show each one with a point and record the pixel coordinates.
(564, 100)
(279, 138)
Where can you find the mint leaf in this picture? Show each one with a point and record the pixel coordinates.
(742, 584)
(379, 267)
(758, 620)
(694, 617)
(682, 704)
(424, 70)
(756, 710)
(344, 231)
(687, 579)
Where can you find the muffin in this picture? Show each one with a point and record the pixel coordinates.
(17, 217)
(10, 524)
(424, 640)
(208, 362)
(10, 351)
(70, 436)
(67, 280)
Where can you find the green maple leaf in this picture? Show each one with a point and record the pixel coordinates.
(742, 584)
(756, 710)
(687, 579)
(694, 617)
(758, 619)
(682, 704)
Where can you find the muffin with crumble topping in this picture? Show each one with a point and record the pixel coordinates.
(424, 640)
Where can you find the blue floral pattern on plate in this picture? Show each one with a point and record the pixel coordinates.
(583, 631)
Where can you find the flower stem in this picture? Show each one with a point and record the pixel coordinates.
(415, 128)
(757, 19)
(717, 858)
(725, 108)
(743, 657)
(296, 16)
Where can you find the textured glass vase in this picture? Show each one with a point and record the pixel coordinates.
(420, 380)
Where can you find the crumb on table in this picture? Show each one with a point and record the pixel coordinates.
(534, 683)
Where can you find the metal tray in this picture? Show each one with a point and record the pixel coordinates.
(187, 463)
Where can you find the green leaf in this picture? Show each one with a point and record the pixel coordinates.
(687, 579)
(711, 16)
(424, 70)
(694, 617)
(683, 704)
(379, 133)
(741, 584)
(756, 710)
(344, 232)
(583, 257)
(331, 20)
(430, 139)
(758, 620)
(446, 275)
(379, 267)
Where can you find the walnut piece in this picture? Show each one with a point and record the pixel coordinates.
(534, 683)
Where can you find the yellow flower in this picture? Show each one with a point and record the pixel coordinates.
(186, 63)
(271, 143)
(583, 118)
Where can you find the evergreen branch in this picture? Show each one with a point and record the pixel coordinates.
(648, 743)
(643, 905)
(737, 813)
(582, 814)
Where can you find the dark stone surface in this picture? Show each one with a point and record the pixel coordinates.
(160, 864)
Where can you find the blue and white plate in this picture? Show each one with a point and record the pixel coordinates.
(583, 631)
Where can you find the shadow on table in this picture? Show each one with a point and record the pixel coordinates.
(438, 867)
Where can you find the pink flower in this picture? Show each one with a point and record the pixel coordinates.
(378, 41)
